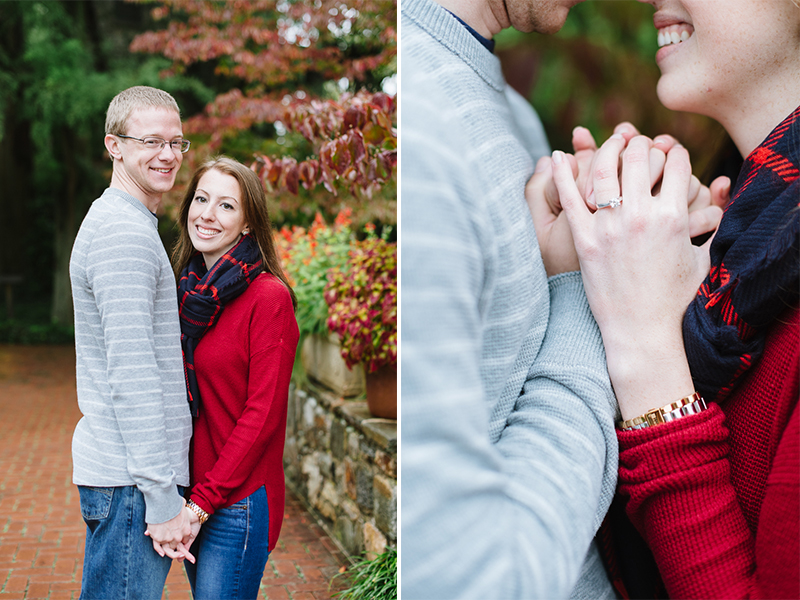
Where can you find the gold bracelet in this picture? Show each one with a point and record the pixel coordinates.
(690, 405)
(201, 514)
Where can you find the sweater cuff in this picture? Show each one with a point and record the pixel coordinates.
(653, 453)
(162, 504)
(571, 325)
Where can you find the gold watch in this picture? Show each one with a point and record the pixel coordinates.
(201, 514)
(690, 405)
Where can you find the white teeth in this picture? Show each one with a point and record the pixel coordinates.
(162, 170)
(674, 34)
(207, 231)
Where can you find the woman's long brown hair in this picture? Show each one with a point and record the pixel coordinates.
(256, 215)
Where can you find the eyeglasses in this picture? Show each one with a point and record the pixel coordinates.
(157, 143)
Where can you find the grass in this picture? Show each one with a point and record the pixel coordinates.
(372, 579)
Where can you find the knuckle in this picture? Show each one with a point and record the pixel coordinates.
(604, 172)
(636, 155)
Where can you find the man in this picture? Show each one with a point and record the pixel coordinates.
(509, 454)
(130, 449)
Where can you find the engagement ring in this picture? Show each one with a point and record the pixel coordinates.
(613, 203)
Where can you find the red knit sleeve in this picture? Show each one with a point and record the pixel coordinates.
(677, 478)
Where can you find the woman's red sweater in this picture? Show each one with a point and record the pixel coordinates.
(244, 364)
(717, 496)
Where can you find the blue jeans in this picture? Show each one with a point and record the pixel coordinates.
(231, 551)
(119, 561)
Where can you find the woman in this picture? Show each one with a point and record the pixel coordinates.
(239, 337)
(710, 429)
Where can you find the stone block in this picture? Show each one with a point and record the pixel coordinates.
(374, 541)
(387, 463)
(353, 444)
(383, 432)
(326, 465)
(367, 449)
(385, 495)
(323, 363)
(350, 478)
(348, 530)
(313, 478)
(328, 500)
(309, 404)
(338, 434)
(364, 479)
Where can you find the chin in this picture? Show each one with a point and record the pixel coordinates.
(672, 98)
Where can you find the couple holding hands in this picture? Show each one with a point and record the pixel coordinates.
(594, 406)
(179, 383)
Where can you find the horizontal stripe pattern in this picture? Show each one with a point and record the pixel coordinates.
(508, 444)
(136, 426)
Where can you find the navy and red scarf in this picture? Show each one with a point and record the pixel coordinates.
(202, 296)
(755, 261)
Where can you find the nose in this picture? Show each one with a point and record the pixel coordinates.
(166, 153)
(208, 213)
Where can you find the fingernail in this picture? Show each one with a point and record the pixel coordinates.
(617, 136)
(659, 141)
(558, 156)
(578, 128)
(678, 146)
(590, 199)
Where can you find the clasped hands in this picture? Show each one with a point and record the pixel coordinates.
(174, 537)
(597, 174)
(639, 267)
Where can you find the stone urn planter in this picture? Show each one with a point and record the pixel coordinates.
(382, 392)
(324, 364)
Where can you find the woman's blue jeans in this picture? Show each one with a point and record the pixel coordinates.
(119, 561)
(231, 551)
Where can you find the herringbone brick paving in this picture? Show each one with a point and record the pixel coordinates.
(41, 530)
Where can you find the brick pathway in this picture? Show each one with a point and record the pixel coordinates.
(41, 530)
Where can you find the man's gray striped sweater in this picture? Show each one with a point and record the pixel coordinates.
(136, 425)
(508, 449)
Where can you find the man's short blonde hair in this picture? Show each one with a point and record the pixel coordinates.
(140, 96)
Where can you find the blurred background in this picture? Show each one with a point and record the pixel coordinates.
(303, 91)
(600, 70)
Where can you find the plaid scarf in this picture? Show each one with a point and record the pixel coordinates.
(203, 295)
(754, 266)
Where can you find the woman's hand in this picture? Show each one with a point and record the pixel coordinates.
(639, 267)
(555, 237)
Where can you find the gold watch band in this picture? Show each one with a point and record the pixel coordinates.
(689, 405)
(201, 514)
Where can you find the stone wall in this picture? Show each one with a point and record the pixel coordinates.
(343, 463)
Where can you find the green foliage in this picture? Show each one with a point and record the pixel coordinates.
(308, 256)
(372, 579)
(362, 302)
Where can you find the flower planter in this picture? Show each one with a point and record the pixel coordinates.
(324, 364)
(382, 392)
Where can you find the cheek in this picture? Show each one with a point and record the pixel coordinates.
(234, 223)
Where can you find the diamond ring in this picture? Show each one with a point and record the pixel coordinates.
(613, 203)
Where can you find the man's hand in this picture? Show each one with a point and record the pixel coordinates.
(168, 537)
(550, 222)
